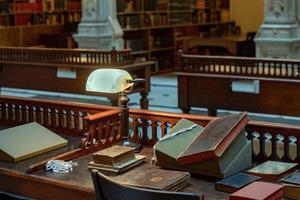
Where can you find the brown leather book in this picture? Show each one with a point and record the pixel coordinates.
(214, 139)
(114, 155)
(152, 177)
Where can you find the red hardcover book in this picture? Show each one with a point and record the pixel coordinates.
(259, 191)
(214, 139)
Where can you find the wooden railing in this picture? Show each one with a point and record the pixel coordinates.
(270, 141)
(239, 67)
(60, 117)
(100, 126)
(65, 57)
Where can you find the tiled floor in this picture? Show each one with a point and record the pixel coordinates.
(163, 97)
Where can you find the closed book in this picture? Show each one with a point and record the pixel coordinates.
(28, 140)
(117, 168)
(214, 139)
(114, 155)
(293, 178)
(151, 177)
(259, 191)
(236, 158)
(273, 170)
(235, 182)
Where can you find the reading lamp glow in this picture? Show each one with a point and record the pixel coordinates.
(109, 81)
(115, 81)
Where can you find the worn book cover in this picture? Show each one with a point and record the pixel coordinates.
(165, 152)
(293, 178)
(291, 191)
(152, 177)
(28, 140)
(114, 155)
(237, 156)
(259, 191)
(214, 139)
(235, 182)
(291, 185)
(117, 168)
(273, 170)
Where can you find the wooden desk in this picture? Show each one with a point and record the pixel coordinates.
(230, 42)
(146, 126)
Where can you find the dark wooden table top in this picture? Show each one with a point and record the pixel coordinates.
(81, 176)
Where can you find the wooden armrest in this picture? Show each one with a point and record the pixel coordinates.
(101, 115)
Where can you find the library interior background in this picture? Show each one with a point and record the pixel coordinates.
(162, 61)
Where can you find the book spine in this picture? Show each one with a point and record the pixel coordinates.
(232, 135)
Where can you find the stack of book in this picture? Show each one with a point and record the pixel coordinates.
(115, 159)
(291, 185)
(220, 149)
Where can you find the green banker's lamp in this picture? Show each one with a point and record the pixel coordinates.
(115, 81)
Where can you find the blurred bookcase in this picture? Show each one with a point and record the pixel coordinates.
(155, 29)
(37, 12)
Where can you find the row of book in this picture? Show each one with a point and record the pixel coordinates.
(34, 18)
(37, 6)
(265, 181)
(172, 5)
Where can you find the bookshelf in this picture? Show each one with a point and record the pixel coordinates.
(37, 12)
(155, 29)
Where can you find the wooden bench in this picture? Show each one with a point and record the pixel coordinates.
(66, 70)
(98, 127)
(239, 83)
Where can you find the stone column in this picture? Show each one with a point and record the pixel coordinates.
(99, 27)
(279, 35)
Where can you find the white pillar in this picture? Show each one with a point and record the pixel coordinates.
(279, 35)
(99, 27)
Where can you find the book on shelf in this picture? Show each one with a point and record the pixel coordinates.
(117, 168)
(26, 141)
(259, 191)
(273, 170)
(220, 149)
(152, 177)
(114, 155)
(235, 182)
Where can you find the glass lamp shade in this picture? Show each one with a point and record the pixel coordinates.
(109, 81)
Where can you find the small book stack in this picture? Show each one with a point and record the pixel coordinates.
(291, 185)
(273, 170)
(220, 149)
(259, 191)
(115, 159)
